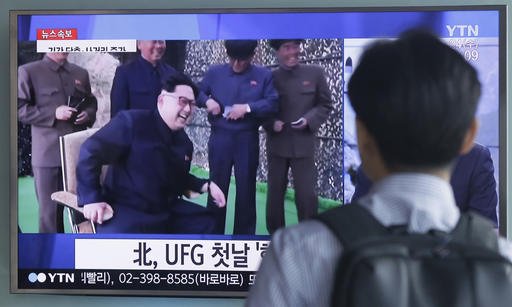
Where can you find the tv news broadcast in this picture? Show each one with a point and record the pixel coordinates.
(110, 75)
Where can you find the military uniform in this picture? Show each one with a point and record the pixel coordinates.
(43, 86)
(303, 92)
(235, 143)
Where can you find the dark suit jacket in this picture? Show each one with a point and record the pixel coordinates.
(473, 183)
(42, 87)
(254, 87)
(303, 92)
(148, 170)
(137, 85)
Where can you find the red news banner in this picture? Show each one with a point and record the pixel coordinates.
(66, 40)
(57, 34)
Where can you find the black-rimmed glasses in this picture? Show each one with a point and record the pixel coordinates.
(182, 101)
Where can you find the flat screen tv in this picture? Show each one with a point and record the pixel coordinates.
(176, 264)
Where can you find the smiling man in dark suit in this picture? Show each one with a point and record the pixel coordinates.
(137, 84)
(149, 157)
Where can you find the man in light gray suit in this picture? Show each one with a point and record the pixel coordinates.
(54, 97)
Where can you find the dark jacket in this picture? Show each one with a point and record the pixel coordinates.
(254, 87)
(137, 85)
(473, 183)
(148, 171)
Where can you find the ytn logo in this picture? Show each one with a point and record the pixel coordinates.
(462, 30)
(51, 277)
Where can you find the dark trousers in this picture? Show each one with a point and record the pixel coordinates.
(48, 180)
(184, 217)
(238, 150)
(304, 183)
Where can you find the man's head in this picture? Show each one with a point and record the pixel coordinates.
(58, 57)
(240, 53)
(151, 50)
(176, 102)
(415, 100)
(287, 51)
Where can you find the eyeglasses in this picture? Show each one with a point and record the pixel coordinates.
(182, 101)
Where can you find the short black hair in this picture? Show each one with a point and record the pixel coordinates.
(179, 78)
(276, 43)
(417, 97)
(240, 48)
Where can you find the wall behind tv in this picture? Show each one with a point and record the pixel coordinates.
(30, 300)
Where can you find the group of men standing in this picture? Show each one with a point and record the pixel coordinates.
(290, 103)
(149, 154)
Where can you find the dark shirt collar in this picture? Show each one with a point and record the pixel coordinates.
(290, 71)
(54, 65)
(147, 65)
(247, 71)
(167, 134)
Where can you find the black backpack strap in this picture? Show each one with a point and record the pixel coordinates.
(475, 230)
(352, 223)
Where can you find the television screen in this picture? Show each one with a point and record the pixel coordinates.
(164, 230)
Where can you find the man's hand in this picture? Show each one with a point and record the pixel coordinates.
(218, 196)
(64, 112)
(82, 118)
(98, 212)
(238, 111)
(278, 126)
(212, 106)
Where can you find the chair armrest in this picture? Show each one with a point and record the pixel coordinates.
(70, 200)
(67, 199)
(191, 194)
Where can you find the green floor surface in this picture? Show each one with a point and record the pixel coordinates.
(28, 221)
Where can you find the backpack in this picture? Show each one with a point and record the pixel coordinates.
(386, 266)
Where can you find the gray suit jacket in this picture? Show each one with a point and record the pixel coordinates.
(303, 92)
(42, 87)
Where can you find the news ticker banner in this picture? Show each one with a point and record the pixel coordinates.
(171, 280)
(178, 255)
(155, 262)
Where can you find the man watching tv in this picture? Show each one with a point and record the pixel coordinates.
(415, 100)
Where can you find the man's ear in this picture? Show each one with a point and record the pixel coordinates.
(469, 138)
(362, 136)
(365, 139)
(373, 164)
(160, 100)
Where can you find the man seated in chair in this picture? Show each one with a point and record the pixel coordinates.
(149, 156)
